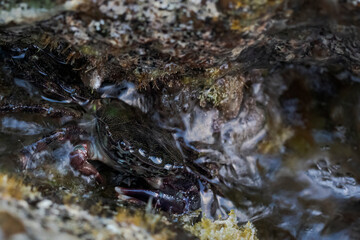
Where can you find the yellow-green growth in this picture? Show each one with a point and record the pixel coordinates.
(245, 12)
(155, 224)
(10, 187)
(88, 50)
(214, 94)
(222, 94)
(223, 229)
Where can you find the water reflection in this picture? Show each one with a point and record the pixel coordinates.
(12, 125)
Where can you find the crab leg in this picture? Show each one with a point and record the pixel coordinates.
(78, 156)
(41, 109)
(164, 201)
(27, 152)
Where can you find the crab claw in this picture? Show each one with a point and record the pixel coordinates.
(161, 200)
(78, 160)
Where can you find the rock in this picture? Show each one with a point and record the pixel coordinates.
(10, 225)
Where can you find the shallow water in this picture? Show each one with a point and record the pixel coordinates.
(284, 154)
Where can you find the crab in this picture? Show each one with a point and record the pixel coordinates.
(129, 142)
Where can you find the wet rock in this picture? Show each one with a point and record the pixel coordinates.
(27, 218)
(226, 94)
(261, 89)
(30, 11)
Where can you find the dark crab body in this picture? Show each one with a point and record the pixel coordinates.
(136, 145)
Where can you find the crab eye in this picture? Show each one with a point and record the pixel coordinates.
(124, 146)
